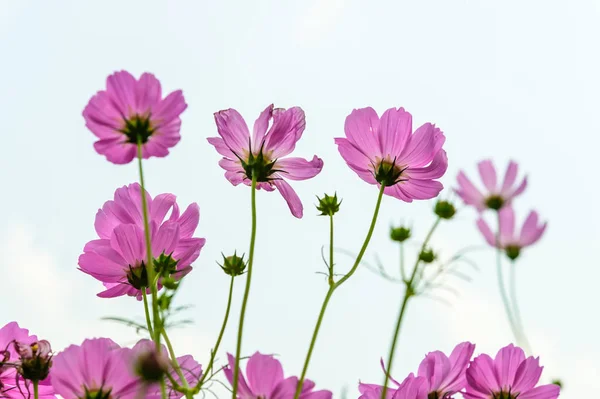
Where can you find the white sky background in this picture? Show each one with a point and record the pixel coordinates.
(510, 79)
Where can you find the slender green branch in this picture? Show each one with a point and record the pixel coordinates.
(147, 312)
(402, 271)
(174, 360)
(335, 285)
(36, 393)
(517, 313)
(410, 291)
(216, 348)
(236, 370)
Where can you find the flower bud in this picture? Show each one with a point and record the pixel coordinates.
(399, 234)
(558, 382)
(35, 359)
(427, 256)
(233, 265)
(151, 366)
(328, 205)
(444, 209)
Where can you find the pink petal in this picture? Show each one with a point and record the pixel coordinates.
(233, 129)
(288, 126)
(397, 192)
(507, 362)
(361, 130)
(102, 116)
(148, 93)
(531, 232)
(161, 205)
(221, 147)
(118, 289)
(550, 391)
(421, 189)
(168, 109)
(121, 88)
(424, 144)
(356, 160)
(519, 190)
(243, 389)
(260, 128)
(189, 220)
(116, 151)
(468, 192)
(487, 233)
(285, 389)
(481, 375)
(290, 197)
(459, 358)
(129, 241)
(395, 128)
(299, 168)
(435, 368)
(527, 375)
(166, 239)
(509, 178)
(435, 170)
(507, 224)
(488, 175)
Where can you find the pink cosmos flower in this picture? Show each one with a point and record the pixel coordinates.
(495, 197)
(444, 376)
(411, 388)
(509, 376)
(118, 258)
(260, 155)
(384, 151)
(131, 111)
(509, 240)
(11, 385)
(264, 380)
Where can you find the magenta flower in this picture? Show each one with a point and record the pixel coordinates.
(13, 385)
(133, 111)
(411, 388)
(495, 197)
(264, 379)
(119, 257)
(386, 152)
(260, 156)
(509, 376)
(509, 240)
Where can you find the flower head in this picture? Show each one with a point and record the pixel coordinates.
(260, 156)
(134, 111)
(35, 359)
(509, 240)
(384, 151)
(446, 375)
(118, 259)
(411, 388)
(329, 205)
(13, 346)
(509, 376)
(264, 379)
(233, 265)
(495, 197)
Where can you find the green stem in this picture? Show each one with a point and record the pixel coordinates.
(216, 348)
(147, 312)
(410, 284)
(236, 370)
(335, 285)
(174, 360)
(36, 393)
(149, 261)
(517, 313)
(402, 271)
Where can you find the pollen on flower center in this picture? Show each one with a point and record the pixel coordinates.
(388, 173)
(138, 129)
(494, 202)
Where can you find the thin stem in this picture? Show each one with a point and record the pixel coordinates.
(236, 370)
(216, 348)
(36, 393)
(517, 312)
(149, 261)
(147, 312)
(176, 365)
(335, 285)
(402, 271)
(409, 292)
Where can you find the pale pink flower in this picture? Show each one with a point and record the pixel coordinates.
(509, 376)
(509, 240)
(411, 388)
(264, 379)
(384, 151)
(131, 111)
(261, 155)
(11, 385)
(494, 196)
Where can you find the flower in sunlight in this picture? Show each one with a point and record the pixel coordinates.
(385, 152)
(133, 111)
(495, 196)
(259, 156)
(509, 376)
(508, 240)
(411, 388)
(264, 379)
(118, 259)
(17, 345)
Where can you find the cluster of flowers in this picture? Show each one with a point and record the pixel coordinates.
(146, 245)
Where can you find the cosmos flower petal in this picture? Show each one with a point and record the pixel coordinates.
(487, 233)
(527, 375)
(507, 362)
(361, 129)
(488, 175)
(233, 129)
(395, 129)
(287, 129)
(244, 391)
(299, 168)
(436, 169)
(264, 373)
(550, 391)
(290, 197)
(507, 224)
(260, 128)
(509, 178)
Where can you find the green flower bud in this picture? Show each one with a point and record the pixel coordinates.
(427, 256)
(558, 382)
(233, 265)
(444, 209)
(328, 205)
(399, 234)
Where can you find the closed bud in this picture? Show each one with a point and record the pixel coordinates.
(328, 205)
(558, 382)
(233, 265)
(35, 359)
(399, 234)
(427, 256)
(444, 209)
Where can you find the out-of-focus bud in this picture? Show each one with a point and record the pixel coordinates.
(444, 209)
(233, 265)
(35, 359)
(558, 382)
(400, 234)
(328, 205)
(427, 256)
(512, 251)
(151, 366)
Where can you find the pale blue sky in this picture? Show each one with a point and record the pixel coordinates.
(510, 79)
